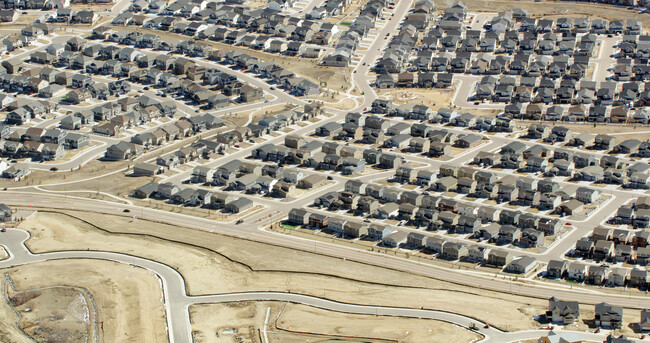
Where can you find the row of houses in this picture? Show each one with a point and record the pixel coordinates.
(185, 127)
(389, 237)
(442, 116)
(194, 197)
(268, 125)
(252, 178)
(576, 165)
(272, 72)
(347, 44)
(436, 212)
(599, 275)
(41, 144)
(305, 40)
(620, 245)
(236, 26)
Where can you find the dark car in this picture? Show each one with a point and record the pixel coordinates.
(126, 210)
(146, 88)
(54, 169)
(239, 222)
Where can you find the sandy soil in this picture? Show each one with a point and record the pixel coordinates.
(434, 98)
(555, 10)
(307, 319)
(240, 118)
(9, 331)
(39, 177)
(215, 323)
(58, 314)
(263, 267)
(229, 322)
(118, 290)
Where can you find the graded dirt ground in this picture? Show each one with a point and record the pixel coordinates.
(9, 331)
(434, 98)
(53, 314)
(236, 265)
(553, 9)
(215, 323)
(128, 299)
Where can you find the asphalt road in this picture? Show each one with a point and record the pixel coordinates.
(177, 301)
(468, 278)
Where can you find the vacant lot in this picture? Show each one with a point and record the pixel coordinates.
(128, 299)
(554, 9)
(308, 319)
(215, 323)
(56, 314)
(434, 98)
(239, 265)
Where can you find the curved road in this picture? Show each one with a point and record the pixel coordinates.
(177, 301)
(520, 287)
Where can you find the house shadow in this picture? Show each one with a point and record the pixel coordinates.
(636, 327)
(591, 323)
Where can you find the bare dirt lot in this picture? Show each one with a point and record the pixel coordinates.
(228, 322)
(56, 314)
(434, 98)
(262, 267)
(554, 9)
(128, 299)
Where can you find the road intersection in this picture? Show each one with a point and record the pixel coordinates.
(176, 299)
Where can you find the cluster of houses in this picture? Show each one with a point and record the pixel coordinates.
(185, 127)
(446, 116)
(348, 42)
(541, 62)
(252, 178)
(40, 144)
(165, 69)
(615, 245)
(175, 75)
(26, 37)
(204, 148)
(194, 197)
(579, 165)
(314, 154)
(268, 125)
(114, 117)
(568, 99)
(606, 316)
(330, 8)
(23, 110)
(378, 133)
(236, 24)
(635, 214)
(423, 210)
(387, 236)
